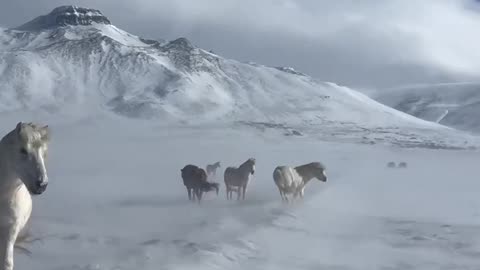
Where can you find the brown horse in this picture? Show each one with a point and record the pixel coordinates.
(195, 179)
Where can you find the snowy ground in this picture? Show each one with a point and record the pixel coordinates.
(116, 201)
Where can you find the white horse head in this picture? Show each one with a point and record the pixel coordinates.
(317, 170)
(28, 145)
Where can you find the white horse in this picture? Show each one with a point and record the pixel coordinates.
(22, 172)
(212, 169)
(292, 180)
(236, 179)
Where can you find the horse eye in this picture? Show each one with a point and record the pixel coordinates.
(23, 151)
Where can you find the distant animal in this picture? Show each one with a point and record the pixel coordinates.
(195, 180)
(402, 164)
(23, 172)
(236, 179)
(292, 180)
(391, 164)
(212, 168)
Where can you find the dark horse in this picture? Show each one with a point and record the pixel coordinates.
(195, 179)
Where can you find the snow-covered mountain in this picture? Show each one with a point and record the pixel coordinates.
(455, 104)
(75, 58)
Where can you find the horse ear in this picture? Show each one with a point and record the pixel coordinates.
(18, 128)
(45, 132)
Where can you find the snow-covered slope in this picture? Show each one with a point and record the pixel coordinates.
(455, 104)
(74, 59)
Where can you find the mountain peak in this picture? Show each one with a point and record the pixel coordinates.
(66, 15)
(180, 43)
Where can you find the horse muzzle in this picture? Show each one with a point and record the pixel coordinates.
(40, 187)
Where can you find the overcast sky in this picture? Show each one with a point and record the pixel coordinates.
(359, 43)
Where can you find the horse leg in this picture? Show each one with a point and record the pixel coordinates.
(285, 198)
(244, 191)
(293, 198)
(8, 236)
(194, 194)
(239, 193)
(189, 194)
(198, 194)
(281, 193)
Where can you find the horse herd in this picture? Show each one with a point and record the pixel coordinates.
(401, 164)
(289, 180)
(23, 173)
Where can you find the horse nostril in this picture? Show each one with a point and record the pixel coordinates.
(42, 184)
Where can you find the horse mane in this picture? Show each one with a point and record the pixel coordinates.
(209, 186)
(249, 161)
(28, 133)
(317, 165)
(306, 167)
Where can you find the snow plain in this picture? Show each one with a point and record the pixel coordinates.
(116, 201)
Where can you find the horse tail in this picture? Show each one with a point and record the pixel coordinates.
(204, 184)
(215, 186)
(226, 175)
(277, 176)
(209, 186)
